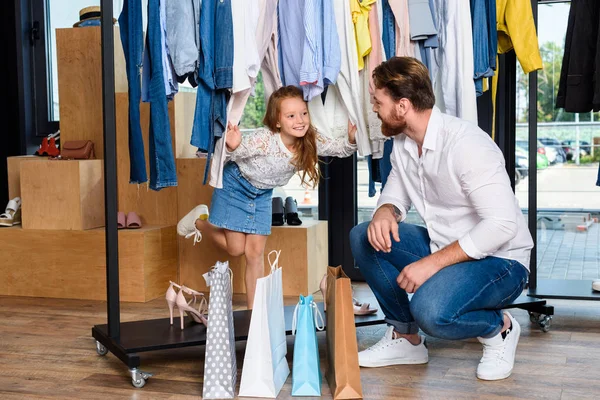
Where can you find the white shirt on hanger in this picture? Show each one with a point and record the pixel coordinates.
(454, 85)
(459, 186)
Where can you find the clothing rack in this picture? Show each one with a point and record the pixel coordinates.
(126, 340)
(546, 288)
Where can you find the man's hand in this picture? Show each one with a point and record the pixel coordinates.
(233, 138)
(416, 274)
(384, 223)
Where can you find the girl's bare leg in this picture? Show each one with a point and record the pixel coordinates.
(233, 243)
(255, 264)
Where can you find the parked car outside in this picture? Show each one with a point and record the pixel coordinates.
(569, 147)
(541, 159)
(554, 150)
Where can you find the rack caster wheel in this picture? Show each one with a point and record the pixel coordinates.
(139, 378)
(100, 349)
(544, 321)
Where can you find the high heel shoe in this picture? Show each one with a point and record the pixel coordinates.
(277, 211)
(190, 307)
(291, 212)
(171, 298)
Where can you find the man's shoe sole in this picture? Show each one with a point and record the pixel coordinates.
(388, 363)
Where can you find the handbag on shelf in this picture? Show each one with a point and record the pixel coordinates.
(77, 150)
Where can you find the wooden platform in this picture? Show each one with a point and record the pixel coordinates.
(47, 352)
(72, 264)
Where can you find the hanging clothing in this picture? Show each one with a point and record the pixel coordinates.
(321, 58)
(360, 17)
(169, 78)
(183, 38)
(246, 64)
(162, 162)
(423, 29)
(266, 43)
(420, 20)
(132, 39)
(348, 82)
(291, 40)
(485, 41)
(455, 88)
(404, 47)
(216, 73)
(377, 56)
(579, 87)
(388, 29)
(516, 30)
(171, 86)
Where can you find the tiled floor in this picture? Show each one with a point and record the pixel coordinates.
(567, 254)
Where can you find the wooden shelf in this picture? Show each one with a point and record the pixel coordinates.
(72, 264)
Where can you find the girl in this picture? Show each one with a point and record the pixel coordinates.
(240, 214)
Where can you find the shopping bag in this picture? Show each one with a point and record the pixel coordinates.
(265, 367)
(343, 373)
(220, 369)
(306, 373)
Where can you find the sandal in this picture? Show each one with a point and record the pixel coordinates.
(133, 221)
(359, 308)
(12, 213)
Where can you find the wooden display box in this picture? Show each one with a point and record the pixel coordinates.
(72, 265)
(61, 194)
(304, 249)
(13, 165)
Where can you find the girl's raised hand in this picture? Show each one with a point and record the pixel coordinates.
(234, 137)
(351, 132)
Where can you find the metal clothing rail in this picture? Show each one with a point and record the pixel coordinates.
(126, 340)
(546, 288)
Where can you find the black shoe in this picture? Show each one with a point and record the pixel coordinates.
(291, 212)
(278, 211)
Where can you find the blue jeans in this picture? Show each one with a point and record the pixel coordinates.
(485, 40)
(162, 162)
(388, 30)
(461, 301)
(216, 76)
(385, 164)
(130, 25)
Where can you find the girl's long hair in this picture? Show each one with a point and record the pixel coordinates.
(305, 159)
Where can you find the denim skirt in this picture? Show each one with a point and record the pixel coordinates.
(239, 206)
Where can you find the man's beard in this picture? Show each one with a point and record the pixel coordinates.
(394, 126)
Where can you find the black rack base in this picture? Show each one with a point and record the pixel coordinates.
(564, 289)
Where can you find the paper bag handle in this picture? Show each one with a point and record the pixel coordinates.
(316, 314)
(274, 264)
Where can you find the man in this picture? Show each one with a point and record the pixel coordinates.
(472, 258)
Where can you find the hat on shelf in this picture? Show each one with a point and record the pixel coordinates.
(88, 14)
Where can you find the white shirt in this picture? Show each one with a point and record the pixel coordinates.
(453, 65)
(459, 186)
(266, 163)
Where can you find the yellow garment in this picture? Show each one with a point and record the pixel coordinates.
(516, 29)
(360, 18)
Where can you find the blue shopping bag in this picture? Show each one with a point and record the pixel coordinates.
(306, 374)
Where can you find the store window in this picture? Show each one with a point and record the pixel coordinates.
(567, 158)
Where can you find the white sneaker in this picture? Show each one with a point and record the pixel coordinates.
(390, 351)
(187, 225)
(499, 354)
(596, 285)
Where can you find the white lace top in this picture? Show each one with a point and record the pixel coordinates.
(265, 162)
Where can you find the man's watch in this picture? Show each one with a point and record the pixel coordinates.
(396, 211)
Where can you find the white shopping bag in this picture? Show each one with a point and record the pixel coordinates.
(220, 370)
(265, 367)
